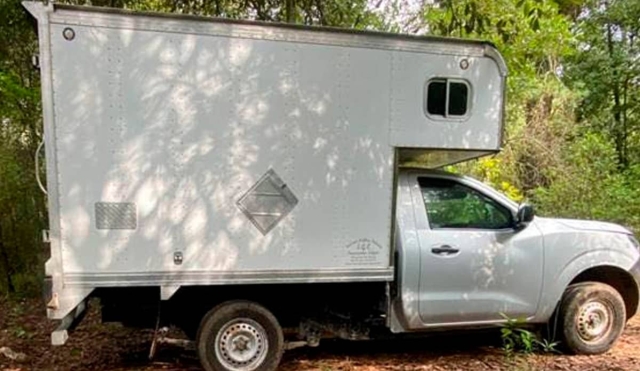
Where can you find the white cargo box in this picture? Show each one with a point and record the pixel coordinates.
(187, 150)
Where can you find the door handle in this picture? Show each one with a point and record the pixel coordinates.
(445, 250)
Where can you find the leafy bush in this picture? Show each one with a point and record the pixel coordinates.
(590, 185)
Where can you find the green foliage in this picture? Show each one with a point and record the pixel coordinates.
(515, 338)
(605, 71)
(22, 207)
(492, 171)
(519, 341)
(590, 184)
(548, 346)
(340, 13)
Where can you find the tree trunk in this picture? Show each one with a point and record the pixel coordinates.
(290, 7)
(4, 259)
(617, 109)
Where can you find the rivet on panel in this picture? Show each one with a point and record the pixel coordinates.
(69, 33)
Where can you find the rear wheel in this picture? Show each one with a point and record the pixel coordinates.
(239, 336)
(592, 317)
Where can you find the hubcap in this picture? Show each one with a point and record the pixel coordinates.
(241, 345)
(594, 321)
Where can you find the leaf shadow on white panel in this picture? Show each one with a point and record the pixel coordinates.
(182, 125)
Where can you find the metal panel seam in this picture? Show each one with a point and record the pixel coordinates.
(209, 278)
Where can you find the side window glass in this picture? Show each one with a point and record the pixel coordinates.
(453, 205)
(447, 98)
(437, 97)
(458, 98)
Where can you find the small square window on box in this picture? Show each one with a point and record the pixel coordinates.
(448, 98)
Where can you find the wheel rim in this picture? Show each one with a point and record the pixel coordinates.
(241, 345)
(594, 321)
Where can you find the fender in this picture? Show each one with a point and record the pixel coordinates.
(554, 287)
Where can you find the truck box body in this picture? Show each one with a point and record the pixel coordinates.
(192, 151)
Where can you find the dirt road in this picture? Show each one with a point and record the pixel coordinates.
(93, 346)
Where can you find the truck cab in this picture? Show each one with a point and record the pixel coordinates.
(467, 256)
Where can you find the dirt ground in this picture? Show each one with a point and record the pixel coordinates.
(94, 346)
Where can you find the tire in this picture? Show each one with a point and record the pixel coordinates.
(239, 336)
(592, 316)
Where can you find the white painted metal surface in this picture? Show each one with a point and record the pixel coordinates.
(176, 118)
(184, 125)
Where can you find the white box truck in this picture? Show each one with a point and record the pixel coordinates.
(240, 178)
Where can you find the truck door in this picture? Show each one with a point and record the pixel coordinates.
(475, 264)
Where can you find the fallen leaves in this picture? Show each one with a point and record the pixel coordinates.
(12, 355)
(95, 346)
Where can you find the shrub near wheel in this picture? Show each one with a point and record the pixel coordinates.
(593, 317)
(239, 336)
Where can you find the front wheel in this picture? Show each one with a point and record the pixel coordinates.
(592, 316)
(239, 336)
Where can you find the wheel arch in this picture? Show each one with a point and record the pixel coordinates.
(616, 277)
(609, 266)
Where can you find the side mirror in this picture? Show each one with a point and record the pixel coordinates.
(525, 214)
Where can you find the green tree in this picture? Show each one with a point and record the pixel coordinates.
(590, 185)
(22, 207)
(606, 70)
(339, 13)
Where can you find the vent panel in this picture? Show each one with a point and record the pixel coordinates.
(116, 215)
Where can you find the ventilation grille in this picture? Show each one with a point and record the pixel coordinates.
(267, 202)
(116, 215)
